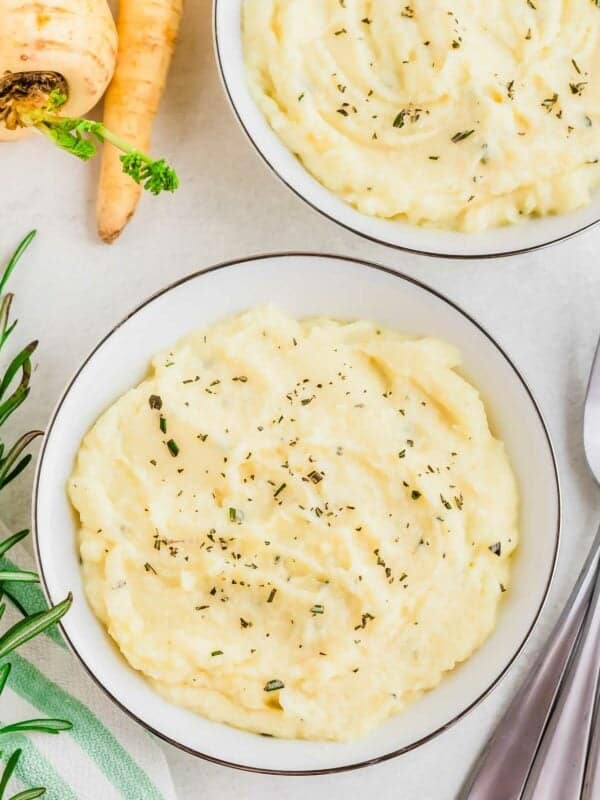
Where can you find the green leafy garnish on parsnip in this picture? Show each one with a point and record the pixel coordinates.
(80, 137)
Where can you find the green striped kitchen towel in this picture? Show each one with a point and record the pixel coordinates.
(106, 756)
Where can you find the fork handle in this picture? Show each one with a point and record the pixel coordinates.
(591, 784)
(560, 764)
(503, 767)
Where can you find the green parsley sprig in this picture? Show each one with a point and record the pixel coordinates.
(80, 137)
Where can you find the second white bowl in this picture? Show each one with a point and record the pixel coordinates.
(302, 285)
(531, 234)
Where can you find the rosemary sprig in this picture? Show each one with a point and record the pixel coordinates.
(12, 540)
(42, 725)
(30, 627)
(28, 794)
(8, 771)
(13, 460)
(18, 575)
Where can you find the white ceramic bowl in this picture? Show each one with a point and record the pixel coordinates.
(509, 240)
(302, 285)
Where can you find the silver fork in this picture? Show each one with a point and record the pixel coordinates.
(541, 748)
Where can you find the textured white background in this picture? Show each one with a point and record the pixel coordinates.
(543, 308)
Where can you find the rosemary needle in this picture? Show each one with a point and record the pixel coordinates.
(13, 460)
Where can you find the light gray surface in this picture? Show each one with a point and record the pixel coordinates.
(543, 308)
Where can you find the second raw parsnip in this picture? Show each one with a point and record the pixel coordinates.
(147, 34)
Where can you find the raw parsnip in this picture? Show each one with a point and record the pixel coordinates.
(147, 32)
(53, 45)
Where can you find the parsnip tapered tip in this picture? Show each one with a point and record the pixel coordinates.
(117, 207)
(111, 234)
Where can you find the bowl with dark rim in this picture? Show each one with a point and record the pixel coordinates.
(530, 234)
(303, 285)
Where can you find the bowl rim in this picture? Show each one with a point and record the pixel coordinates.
(333, 218)
(369, 265)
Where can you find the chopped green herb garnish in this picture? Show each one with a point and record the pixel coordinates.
(461, 136)
(577, 88)
(550, 102)
(173, 447)
(399, 119)
(235, 515)
(274, 685)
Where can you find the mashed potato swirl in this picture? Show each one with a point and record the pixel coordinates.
(462, 115)
(295, 527)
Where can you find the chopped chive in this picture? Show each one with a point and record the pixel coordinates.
(399, 119)
(446, 503)
(217, 653)
(317, 609)
(173, 447)
(461, 136)
(163, 424)
(274, 685)
(155, 402)
(235, 514)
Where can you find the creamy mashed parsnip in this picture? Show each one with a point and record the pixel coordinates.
(295, 527)
(462, 114)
